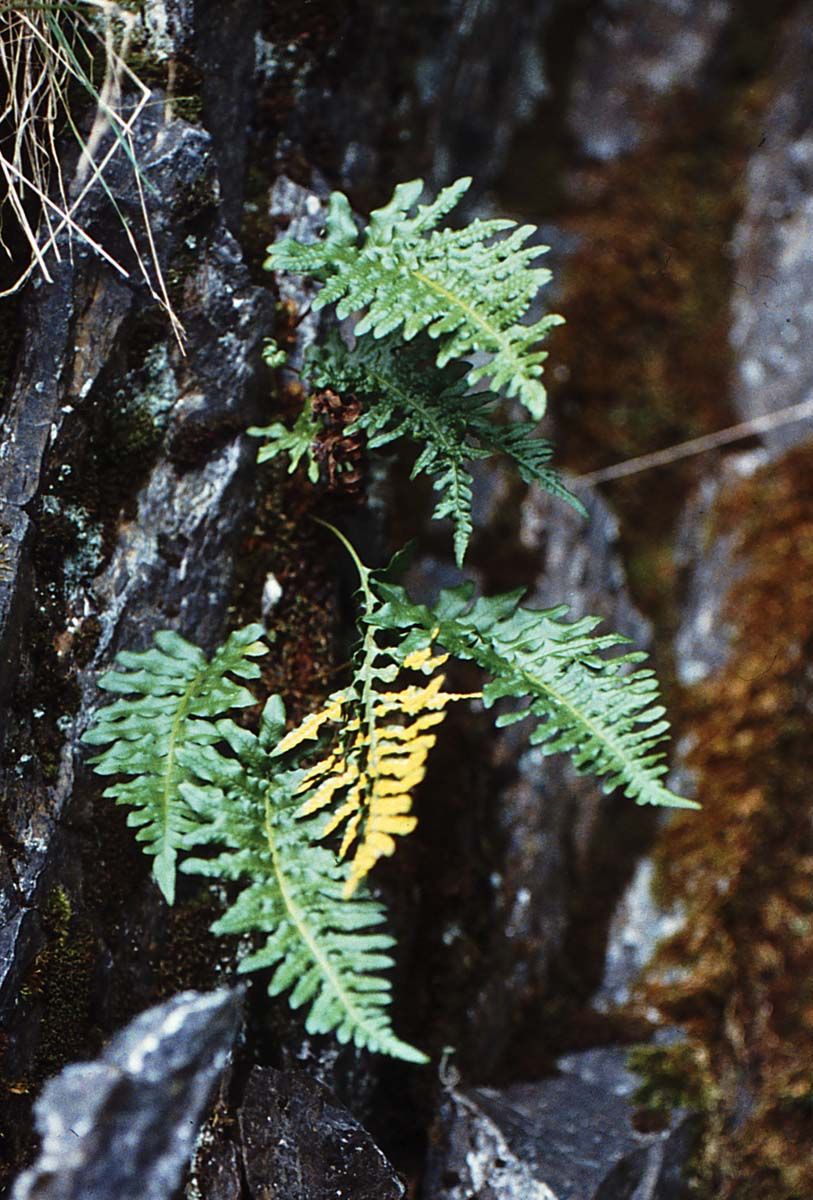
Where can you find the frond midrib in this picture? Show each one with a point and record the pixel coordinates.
(178, 722)
(300, 923)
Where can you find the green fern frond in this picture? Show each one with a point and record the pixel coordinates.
(469, 289)
(607, 717)
(323, 948)
(170, 697)
(297, 443)
(405, 396)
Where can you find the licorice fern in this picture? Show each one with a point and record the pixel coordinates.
(469, 289)
(169, 699)
(403, 396)
(592, 706)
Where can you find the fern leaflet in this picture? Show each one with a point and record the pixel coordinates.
(170, 697)
(321, 945)
(297, 442)
(469, 289)
(606, 717)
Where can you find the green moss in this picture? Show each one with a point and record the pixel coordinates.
(59, 983)
(673, 1077)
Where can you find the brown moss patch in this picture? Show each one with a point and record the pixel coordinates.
(739, 976)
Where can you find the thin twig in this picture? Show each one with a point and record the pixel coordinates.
(699, 445)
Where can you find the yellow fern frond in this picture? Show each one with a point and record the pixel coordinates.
(379, 757)
(311, 727)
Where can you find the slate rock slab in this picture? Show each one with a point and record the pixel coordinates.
(300, 1144)
(125, 1125)
(569, 1137)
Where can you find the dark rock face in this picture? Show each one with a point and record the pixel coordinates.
(570, 1137)
(436, 89)
(125, 1124)
(772, 309)
(125, 478)
(299, 1144)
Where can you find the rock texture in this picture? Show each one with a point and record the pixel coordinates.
(555, 829)
(570, 1137)
(125, 1125)
(772, 326)
(633, 55)
(300, 1144)
(124, 480)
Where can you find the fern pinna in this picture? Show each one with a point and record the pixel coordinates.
(469, 288)
(170, 697)
(378, 750)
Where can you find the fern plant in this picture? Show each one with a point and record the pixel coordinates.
(296, 819)
(414, 285)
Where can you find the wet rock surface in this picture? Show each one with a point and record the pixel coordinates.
(125, 479)
(771, 300)
(125, 1125)
(570, 1137)
(298, 1143)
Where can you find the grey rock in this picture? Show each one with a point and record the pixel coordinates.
(569, 1137)
(772, 299)
(709, 568)
(639, 924)
(125, 1125)
(79, 369)
(480, 83)
(635, 53)
(300, 1144)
